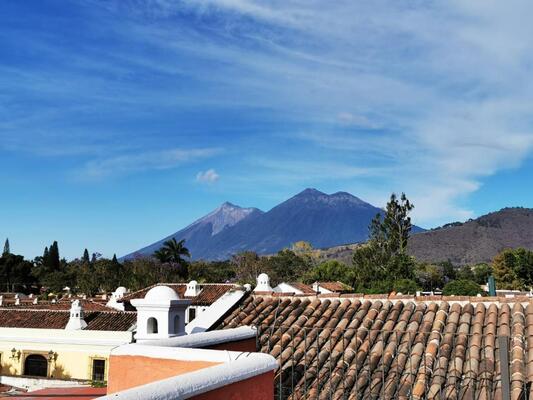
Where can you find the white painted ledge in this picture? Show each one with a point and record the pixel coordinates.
(215, 312)
(179, 353)
(206, 339)
(185, 386)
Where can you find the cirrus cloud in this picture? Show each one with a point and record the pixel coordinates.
(135, 162)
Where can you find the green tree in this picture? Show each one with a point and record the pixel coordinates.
(85, 258)
(162, 255)
(461, 287)
(15, 273)
(396, 224)
(513, 268)
(87, 278)
(51, 271)
(141, 272)
(50, 259)
(176, 250)
(109, 274)
(384, 256)
(7, 249)
(369, 266)
(285, 266)
(465, 273)
(429, 276)
(211, 271)
(174, 253)
(331, 270)
(481, 273)
(405, 286)
(448, 270)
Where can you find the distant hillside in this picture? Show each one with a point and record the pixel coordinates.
(321, 219)
(475, 241)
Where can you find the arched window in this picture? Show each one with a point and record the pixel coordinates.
(152, 325)
(176, 324)
(35, 365)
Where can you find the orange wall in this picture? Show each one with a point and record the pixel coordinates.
(129, 371)
(259, 387)
(249, 345)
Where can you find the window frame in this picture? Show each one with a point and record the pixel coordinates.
(192, 310)
(43, 354)
(91, 372)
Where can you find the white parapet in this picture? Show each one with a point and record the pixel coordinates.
(234, 367)
(206, 339)
(215, 312)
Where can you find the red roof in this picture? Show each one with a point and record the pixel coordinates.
(302, 287)
(57, 319)
(344, 347)
(69, 393)
(210, 292)
(335, 286)
(64, 304)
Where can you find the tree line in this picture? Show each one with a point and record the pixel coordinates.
(381, 265)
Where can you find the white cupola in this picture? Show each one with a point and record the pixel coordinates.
(160, 315)
(193, 289)
(119, 293)
(116, 296)
(76, 321)
(263, 283)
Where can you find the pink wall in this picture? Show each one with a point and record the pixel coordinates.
(260, 387)
(130, 371)
(249, 345)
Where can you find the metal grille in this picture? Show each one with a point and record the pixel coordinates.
(415, 363)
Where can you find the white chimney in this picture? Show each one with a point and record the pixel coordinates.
(76, 321)
(35, 300)
(1, 300)
(263, 283)
(161, 314)
(193, 289)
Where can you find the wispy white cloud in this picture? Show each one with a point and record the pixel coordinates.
(153, 160)
(447, 113)
(210, 176)
(428, 98)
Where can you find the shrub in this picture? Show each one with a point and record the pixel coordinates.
(461, 287)
(405, 286)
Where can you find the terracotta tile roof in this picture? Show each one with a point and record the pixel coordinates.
(336, 287)
(57, 319)
(179, 288)
(391, 349)
(88, 305)
(110, 321)
(210, 292)
(305, 289)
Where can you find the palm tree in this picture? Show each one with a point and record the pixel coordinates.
(162, 255)
(176, 250)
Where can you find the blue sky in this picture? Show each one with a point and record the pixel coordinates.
(123, 121)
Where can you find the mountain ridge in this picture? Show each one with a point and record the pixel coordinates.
(477, 240)
(322, 219)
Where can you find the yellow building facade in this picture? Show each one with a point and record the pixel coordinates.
(58, 353)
